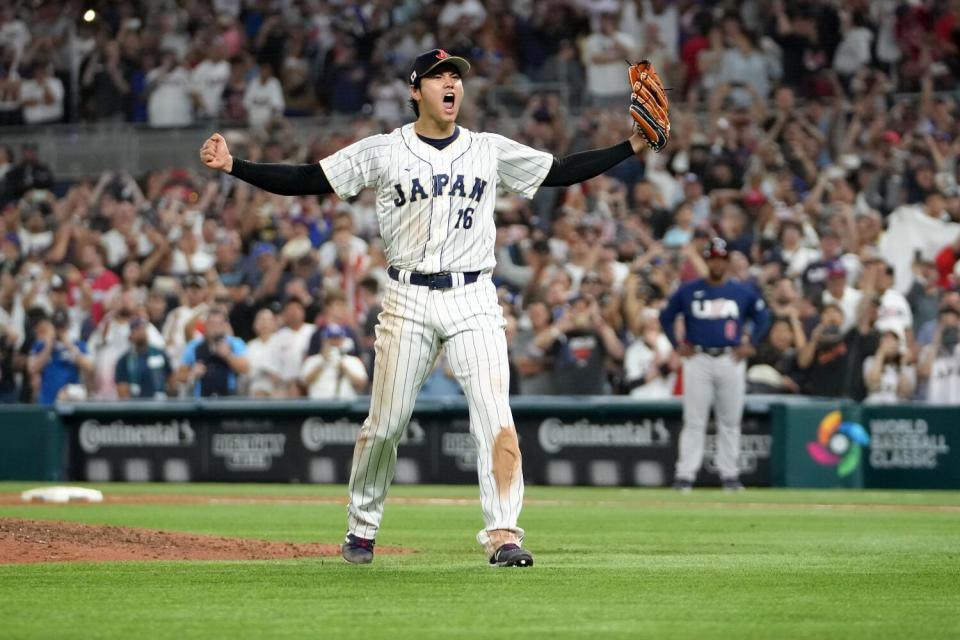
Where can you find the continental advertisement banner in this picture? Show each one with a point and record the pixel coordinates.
(564, 442)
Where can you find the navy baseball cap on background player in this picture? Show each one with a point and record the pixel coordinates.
(426, 62)
(716, 249)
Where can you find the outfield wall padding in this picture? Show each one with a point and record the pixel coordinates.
(32, 443)
(600, 441)
(597, 441)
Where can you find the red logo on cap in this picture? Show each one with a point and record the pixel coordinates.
(441, 54)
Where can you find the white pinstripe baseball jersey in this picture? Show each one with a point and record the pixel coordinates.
(435, 207)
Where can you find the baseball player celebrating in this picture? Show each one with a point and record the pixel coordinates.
(436, 184)
(715, 310)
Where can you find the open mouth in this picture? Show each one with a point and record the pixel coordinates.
(448, 101)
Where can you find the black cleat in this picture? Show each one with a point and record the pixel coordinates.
(511, 555)
(732, 484)
(356, 550)
(683, 486)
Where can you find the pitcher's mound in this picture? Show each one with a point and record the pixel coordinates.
(23, 541)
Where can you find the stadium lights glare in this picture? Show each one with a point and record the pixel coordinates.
(89, 15)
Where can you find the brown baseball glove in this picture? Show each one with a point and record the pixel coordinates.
(649, 107)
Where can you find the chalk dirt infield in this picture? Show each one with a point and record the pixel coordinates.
(30, 541)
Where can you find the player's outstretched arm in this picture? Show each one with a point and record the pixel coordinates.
(578, 167)
(283, 179)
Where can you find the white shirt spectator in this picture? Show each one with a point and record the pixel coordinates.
(332, 384)
(39, 113)
(605, 79)
(894, 312)
(263, 368)
(884, 14)
(363, 212)
(848, 302)
(12, 324)
(328, 251)
(736, 67)
(637, 360)
(209, 78)
(262, 100)
(35, 242)
(663, 180)
(799, 259)
(228, 7)
(199, 262)
(288, 348)
(389, 100)
(410, 45)
(456, 10)
(116, 245)
(887, 393)
(169, 104)
(595, 9)
(14, 36)
(943, 386)
(667, 23)
(853, 52)
(175, 326)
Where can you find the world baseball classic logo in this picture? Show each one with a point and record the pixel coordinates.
(839, 444)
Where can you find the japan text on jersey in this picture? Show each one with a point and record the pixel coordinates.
(435, 207)
(439, 188)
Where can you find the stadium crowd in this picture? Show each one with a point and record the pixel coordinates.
(812, 136)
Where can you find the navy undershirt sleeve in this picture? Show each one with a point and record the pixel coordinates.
(283, 179)
(578, 167)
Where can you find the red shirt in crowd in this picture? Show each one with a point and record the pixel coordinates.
(945, 261)
(100, 286)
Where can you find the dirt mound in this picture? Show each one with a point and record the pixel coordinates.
(27, 541)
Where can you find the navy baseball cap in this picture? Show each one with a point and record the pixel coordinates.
(427, 62)
(716, 249)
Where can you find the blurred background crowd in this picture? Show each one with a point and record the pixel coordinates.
(818, 138)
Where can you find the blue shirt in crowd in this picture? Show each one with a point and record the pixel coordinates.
(59, 372)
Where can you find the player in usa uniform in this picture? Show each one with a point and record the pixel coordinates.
(436, 185)
(715, 311)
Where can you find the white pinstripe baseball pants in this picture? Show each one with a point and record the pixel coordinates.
(415, 324)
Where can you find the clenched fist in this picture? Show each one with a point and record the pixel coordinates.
(214, 154)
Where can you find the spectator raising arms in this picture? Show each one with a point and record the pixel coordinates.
(58, 362)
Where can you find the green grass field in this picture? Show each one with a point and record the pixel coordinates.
(609, 563)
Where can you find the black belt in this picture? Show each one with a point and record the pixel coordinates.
(715, 352)
(442, 280)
